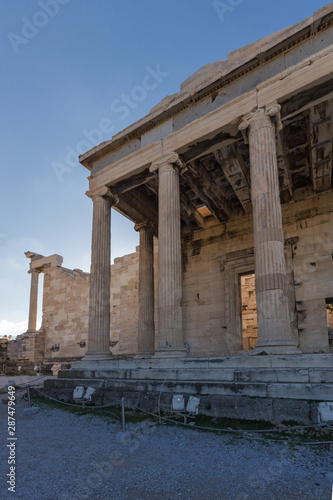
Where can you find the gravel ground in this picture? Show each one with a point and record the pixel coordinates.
(64, 456)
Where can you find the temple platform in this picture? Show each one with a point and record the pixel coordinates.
(274, 388)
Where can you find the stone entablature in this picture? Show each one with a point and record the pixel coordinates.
(216, 85)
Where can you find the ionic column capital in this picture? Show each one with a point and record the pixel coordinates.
(145, 225)
(260, 118)
(104, 194)
(35, 271)
(169, 161)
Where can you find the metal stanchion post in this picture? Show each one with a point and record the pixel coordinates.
(123, 424)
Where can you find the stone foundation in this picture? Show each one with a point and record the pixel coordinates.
(274, 388)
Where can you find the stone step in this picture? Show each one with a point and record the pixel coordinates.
(294, 375)
(240, 361)
(306, 391)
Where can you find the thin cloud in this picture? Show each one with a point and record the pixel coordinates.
(11, 328)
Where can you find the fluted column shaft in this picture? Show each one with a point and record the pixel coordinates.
(274, 331)
(146, 336)
(32, 322)
(170, 329)
(100, 279)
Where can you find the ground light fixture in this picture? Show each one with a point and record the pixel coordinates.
(193, 405)
(178, 403)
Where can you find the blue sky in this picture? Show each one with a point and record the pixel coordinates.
(65, 66)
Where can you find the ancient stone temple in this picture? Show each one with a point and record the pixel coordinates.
(232, 179)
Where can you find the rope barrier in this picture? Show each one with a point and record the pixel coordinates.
(237, 430)
(74, 405)
(244, 432)
(24, 384)
(241, 431)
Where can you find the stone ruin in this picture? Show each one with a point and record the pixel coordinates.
(229, 183)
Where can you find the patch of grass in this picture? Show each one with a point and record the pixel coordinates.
(25, 374)
(301, 436)
(290, 423)
(232, 423)
(113, 412)
(292, 437)
(47, 403)
(135, 416)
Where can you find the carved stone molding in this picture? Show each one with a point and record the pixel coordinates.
(272, 110)
(169, 161)
(146, 225)
(104, 194)
(244, 124)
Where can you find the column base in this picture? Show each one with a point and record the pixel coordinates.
(97, 356)
(143, 355)
(170, 352)
(269, 347)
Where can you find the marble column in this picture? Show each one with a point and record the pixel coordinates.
(100, 277)
(146, 333)
(32, 322)
(170, 329)
(274, 331)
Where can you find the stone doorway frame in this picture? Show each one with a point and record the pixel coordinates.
(235, 264)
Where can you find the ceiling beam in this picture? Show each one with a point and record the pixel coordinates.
(139, 208)
(200, 193)
(205, 188)
(132, 182)
(283, 165)
(321, 145)
(192, 210)
(233, 169)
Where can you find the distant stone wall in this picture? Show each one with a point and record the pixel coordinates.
(66, 310)
(63, 335)
(125, 304)
(27, 348)
(65, 313)
(3, 352)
